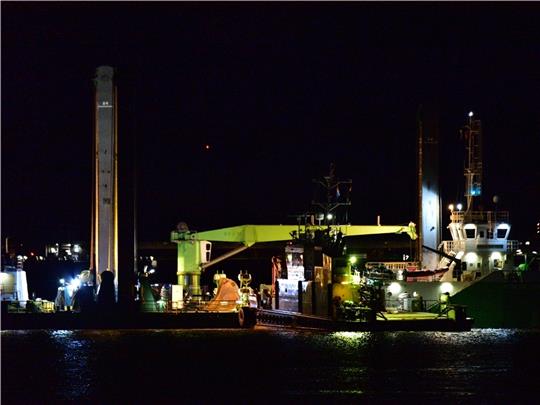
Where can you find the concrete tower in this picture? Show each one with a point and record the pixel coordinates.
(105, 204)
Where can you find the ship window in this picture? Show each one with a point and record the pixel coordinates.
(490, 234)
(501, 233)
(470, 233)
(481, 234)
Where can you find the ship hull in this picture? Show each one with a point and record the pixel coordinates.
(496, 303)
(389, 322)
(498, 300)
(119, 320)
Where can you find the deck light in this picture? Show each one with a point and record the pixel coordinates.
(447, 288)
(451, 207)
(471, 114)
(329, 216)
(75, 283)
(459, 207)
(353, 259)
(394, 288)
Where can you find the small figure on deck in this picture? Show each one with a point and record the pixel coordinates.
(266, 299)
(60, 300)
(444, 300)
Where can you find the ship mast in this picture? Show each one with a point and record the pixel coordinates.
(338, 195)
(472, 133)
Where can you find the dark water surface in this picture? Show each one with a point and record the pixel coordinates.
(270, 366)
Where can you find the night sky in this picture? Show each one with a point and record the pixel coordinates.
(278, 91)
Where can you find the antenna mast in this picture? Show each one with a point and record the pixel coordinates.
(338, 194)
(472, 133)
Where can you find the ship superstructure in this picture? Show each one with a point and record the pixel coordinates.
(479, 238)
(480, 243)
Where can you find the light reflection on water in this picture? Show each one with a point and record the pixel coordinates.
(72, 363)
(146, 365)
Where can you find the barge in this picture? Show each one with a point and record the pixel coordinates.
(413, 321)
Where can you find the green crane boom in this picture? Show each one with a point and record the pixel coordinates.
(194, 248)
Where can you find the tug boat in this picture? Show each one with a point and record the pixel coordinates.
(319, 285)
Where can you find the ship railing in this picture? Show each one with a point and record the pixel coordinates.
(28, 306)
(453, 246)
(460, 245)
(512, 245)
(437, 307)
(410, 304)
(441, 309)
(480, 216)
(445, 309)
(394, 266)
(196, 305)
